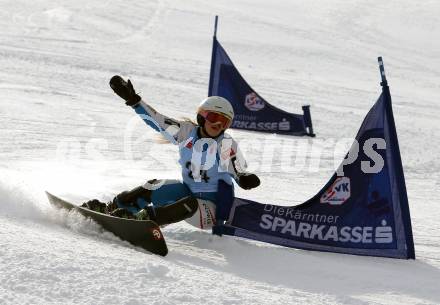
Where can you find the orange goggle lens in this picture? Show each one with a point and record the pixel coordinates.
(215, 117)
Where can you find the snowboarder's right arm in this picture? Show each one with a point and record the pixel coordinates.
(173, 130)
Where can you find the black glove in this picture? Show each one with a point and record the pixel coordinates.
(248, 181)
(125, 90)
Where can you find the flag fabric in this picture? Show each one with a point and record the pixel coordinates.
(252, 112)
(363, 209)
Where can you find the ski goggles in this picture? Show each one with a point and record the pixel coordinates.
(215, 117)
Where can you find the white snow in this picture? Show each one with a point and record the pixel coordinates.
(63, 130)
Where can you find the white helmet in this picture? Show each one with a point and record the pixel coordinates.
(217, 104)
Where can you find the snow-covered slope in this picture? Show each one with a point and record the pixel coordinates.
(62, 129)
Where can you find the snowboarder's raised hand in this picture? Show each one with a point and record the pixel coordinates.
(125, 90)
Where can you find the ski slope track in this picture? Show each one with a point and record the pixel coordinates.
(63, 130)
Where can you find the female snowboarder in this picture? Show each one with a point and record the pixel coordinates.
(207, 156)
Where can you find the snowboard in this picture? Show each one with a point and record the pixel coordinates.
(142, 233)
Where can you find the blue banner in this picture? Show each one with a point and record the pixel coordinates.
(363, 209)
(252, 112)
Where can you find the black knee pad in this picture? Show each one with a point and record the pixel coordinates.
(177, 211)
(191, 205)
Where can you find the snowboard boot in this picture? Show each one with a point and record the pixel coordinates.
(95, 205)
(130, 198)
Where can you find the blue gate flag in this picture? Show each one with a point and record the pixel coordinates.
(362, 210)
(252, 112)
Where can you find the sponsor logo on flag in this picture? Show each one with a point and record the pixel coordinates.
(338, 192)
(253, 102)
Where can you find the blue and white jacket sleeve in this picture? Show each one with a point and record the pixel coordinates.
(172, 130)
